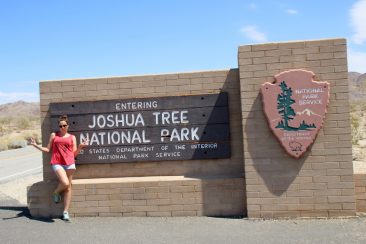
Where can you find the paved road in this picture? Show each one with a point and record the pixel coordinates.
(19, 162)
(19, 168)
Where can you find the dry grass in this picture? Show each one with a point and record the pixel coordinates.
(358, 129)
(15, 132)
(358, 110)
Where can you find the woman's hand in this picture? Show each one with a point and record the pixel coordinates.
(84, 143)
(32, 141)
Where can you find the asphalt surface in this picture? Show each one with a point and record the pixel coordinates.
(17, 226)
(17, 163)
(19, 168)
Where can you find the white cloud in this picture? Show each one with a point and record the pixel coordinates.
(16, 96)
(358, 21)
(292, 11)
(356, 61)
(253, 33)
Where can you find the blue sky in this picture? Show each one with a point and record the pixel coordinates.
(50, 40)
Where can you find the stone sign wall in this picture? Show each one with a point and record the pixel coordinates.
(221, 158)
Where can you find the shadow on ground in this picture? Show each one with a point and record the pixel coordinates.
(23, 212)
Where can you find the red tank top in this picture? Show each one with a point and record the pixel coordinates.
(62, 150)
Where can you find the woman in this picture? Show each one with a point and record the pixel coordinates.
(64, 150)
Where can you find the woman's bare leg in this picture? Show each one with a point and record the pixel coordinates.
(67, 191)
(63, 180)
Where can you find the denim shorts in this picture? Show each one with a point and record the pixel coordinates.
(55, 167)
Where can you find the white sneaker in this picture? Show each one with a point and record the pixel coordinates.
(65, 216)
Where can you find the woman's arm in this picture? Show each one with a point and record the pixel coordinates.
(43, 149)
(77, 149)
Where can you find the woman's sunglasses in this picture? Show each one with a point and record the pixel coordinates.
(62, 126)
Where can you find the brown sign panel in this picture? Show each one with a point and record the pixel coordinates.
(295, 106)
(149, 129)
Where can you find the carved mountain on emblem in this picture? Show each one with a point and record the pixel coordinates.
(301, 119)
(307, 112)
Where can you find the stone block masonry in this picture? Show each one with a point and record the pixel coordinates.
(360, 184)
(163, 196)
(320, 184)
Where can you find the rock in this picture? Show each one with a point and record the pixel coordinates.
(17, 144)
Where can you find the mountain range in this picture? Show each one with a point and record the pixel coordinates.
(357, 86)
(19, 109)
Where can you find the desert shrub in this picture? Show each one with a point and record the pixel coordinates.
(36, 135)
(23, 123)
(5, 124)
(363, 106)
(16, 132)
(3, 144)
(5, 120)
(353, 107)
(19, 140)
(355, 129)
(16, 141)
(35, 119)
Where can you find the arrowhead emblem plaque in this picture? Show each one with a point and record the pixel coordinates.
(295, 106)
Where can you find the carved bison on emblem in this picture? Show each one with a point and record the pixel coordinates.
(295, 146)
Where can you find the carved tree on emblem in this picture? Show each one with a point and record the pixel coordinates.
(284, 102)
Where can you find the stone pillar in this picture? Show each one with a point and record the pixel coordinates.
(320, 183)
